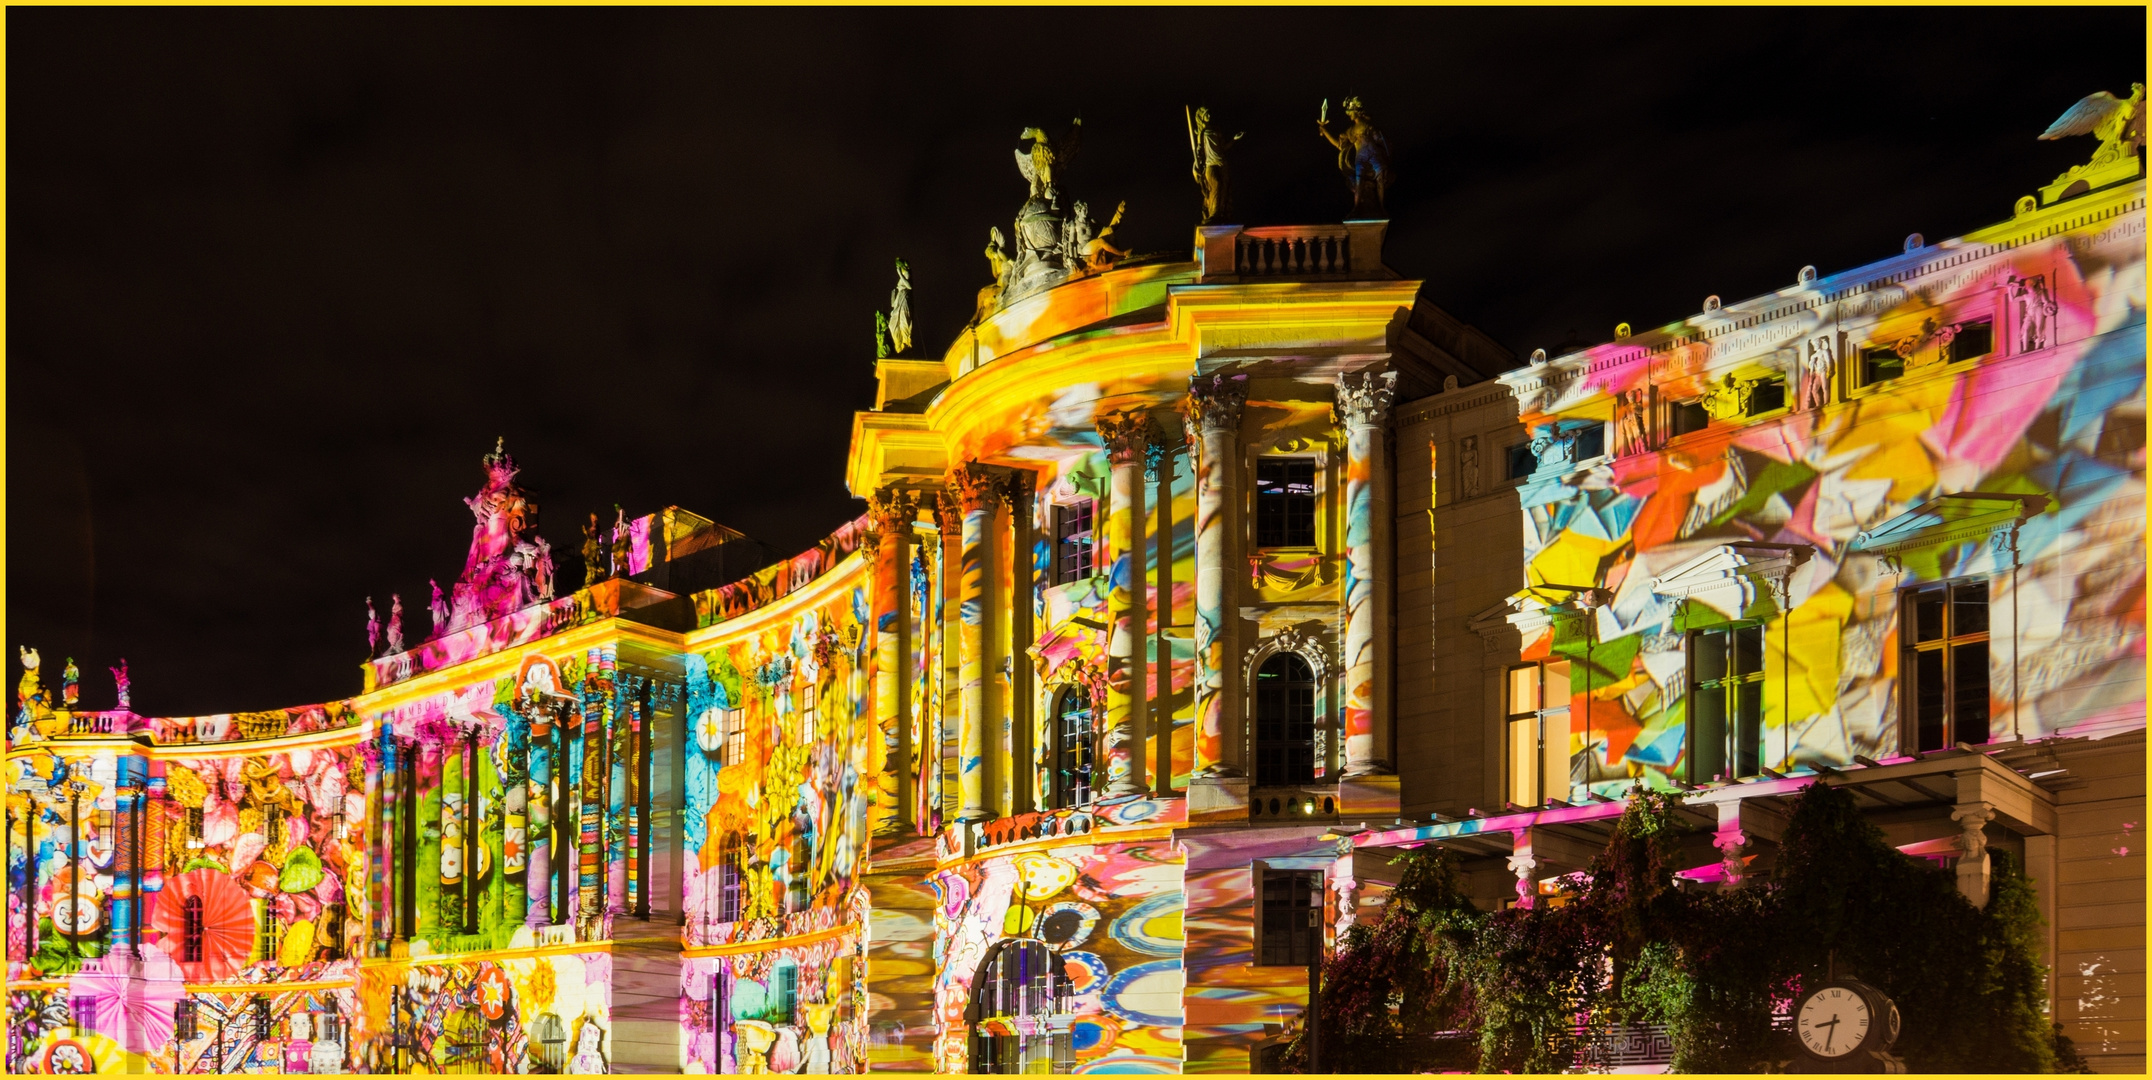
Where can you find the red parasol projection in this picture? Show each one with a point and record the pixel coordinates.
(225, 930)
(129, 999)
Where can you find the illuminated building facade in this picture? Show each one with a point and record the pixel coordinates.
(1187, 591)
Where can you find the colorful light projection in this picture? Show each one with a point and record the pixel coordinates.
(2020, 372)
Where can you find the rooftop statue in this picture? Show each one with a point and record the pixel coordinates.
(881, 336)
(593, 554)
(1363, 156)
(373, 630)
(119, 679)
(1037, 163)
(2119, 123)
(1094, 253)
(1213, 174)
(437, 608)
(900, 311)
(70, 683)
(496, 582)
(396, 641)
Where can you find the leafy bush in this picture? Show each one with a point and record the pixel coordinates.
(1435, 983)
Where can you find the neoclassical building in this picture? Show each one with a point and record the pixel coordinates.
(1189, 591)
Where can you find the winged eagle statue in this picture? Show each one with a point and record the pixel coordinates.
(1037, 163)
(2119, 123)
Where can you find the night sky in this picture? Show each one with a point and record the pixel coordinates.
(277, 279)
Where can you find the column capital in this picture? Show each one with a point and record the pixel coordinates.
(1127, 434)
(976, 486)
(1017, 486)
(948, 513)
(891, 508)
(1364, 397)
(1214, 402)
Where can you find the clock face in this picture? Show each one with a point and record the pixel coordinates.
(1833, 1021)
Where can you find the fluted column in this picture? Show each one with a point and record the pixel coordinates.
(976, 491)
(1363, 406)
(1022, 779)
(1126, 435)
(891, 515)
(1213, 407)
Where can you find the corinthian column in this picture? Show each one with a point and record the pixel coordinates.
(1213, 407)
(1126, 435)
(890, 513)
(1364, 406)
(976, 492)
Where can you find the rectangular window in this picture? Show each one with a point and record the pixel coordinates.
(1591, 442)
(1766, 396)
(1292, 905)
(1725, 703)
(735, 736)
(1973, 339)
(1537, 718)
(1878, 365)
(1944, 632)
(1285, 502)
(184, 1023)
(728, 883)
(1689, 416)
(1521, 460)
(1072, 749)
(1072, 542)
(262, 1018)
(787, 992)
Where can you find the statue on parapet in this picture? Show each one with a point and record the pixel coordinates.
(70, 684)
(495, 581)
(119, 679)
(396, 641)
(2119, 124)
(594, 557)
(900, 311)
(437, 608)
(1213, 174)
(1363, 156)
(619, 546)
(881, 336)
(373, 630)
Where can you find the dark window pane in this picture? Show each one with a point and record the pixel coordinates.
(1522, 461)
(1769, 395)
(1973, 339)
(1748, 729)
(1880, 364)
(1690, 416)
(1707, 733)
(1748, 650)
(1285, 502)
(1591, 442)
(1289, 900)
(1284, 722)
(1710, 656)
(1927, 616)
(1968, 608)
(1927, 697)
(1969, 692)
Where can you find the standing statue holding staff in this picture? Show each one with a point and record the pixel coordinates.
(1213, 176)
(900, 311)
(1363, 156)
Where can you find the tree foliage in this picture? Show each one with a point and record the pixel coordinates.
(1436, 984)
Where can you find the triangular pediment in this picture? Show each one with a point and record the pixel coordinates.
(1730, 577)
(1966, 515)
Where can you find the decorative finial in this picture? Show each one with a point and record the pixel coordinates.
(1621, 331)
(1711, 304)
(1913, 243)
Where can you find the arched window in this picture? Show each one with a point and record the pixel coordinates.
(1070, 759)
(1284, 722)
(190, 946)
(1019, 984)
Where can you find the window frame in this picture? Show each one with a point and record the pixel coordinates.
(1301, 921)
(1534, 720)
(1073, 529)
(1730, 683)
(1948, 645)
(1753, 387)
(1679, 417)
(1287, 533)
(1064, 760)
